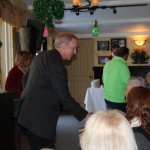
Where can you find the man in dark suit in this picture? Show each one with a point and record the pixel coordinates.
(46, 88)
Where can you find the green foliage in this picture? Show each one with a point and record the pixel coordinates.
(1, 44)
(139, 56)
(48, 10)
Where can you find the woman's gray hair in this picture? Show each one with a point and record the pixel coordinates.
(136, 81)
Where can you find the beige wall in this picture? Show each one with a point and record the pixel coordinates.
(130, 44)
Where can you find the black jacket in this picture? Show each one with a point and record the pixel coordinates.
(142, 138)
(46, 87)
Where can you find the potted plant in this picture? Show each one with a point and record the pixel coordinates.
(48, 11)
(139, 56)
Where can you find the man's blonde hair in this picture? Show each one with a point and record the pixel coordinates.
(64, 37)
(108, 130)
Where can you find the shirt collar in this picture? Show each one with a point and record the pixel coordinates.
(135, 122)
(120, 59)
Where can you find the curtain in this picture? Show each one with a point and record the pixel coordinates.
(12, 14)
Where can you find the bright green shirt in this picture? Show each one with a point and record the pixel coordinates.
(115, 77)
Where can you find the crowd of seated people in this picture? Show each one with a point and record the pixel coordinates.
(103, 129)
(108, 130)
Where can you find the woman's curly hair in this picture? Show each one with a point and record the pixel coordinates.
(138, 106)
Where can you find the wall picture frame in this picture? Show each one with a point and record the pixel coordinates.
(103, 45)
(101, 60)
(120, 41)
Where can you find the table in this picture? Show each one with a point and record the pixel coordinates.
(94, 100)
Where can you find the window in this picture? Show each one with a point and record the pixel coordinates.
(6, 52)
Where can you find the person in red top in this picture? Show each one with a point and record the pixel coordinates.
(115, 48)
(14, 82)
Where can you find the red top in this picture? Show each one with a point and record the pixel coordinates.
(110, 57)
(14, 81)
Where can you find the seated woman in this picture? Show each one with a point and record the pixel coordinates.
(138, 113)
(108, 130)
(14, 82)
(135, 81)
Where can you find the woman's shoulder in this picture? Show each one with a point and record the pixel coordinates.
(142, 131)
(14, 69)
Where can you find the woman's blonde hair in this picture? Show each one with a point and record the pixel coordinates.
(108, 130)
(23, 59)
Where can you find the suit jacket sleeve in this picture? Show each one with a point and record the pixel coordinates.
(60, 84)
(25, 78)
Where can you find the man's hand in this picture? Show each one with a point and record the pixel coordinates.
(81, 131)
(88, 116)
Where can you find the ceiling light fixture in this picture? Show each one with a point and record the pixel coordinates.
(139, 42)
(114, 10)
(92, 5)
(95, 29)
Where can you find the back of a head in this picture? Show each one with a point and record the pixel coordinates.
(108, 130)
(135, 81)
(64, 37)
(123, 51)
(138, 106)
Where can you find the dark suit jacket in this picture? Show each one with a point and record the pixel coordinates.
(46, 88)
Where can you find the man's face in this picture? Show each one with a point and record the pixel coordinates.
(70, 49)
(115, 51)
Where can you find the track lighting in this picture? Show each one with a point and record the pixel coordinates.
(114, 11)
(77, 12)
(91, 11)
(92, 5)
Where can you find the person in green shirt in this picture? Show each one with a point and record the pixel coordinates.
(115, 77)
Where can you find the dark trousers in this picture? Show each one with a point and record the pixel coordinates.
(38, 142)
(111, 105)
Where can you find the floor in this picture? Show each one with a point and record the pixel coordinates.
(67, 134)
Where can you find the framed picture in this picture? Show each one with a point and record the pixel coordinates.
(101, 59)
(102, 45)
(119, 41)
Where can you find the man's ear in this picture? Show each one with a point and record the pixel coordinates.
(125, 57)
(63, 46)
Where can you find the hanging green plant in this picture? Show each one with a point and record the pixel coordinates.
(1, 44)
(48, 10)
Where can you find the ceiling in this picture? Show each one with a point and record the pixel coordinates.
(128, 21)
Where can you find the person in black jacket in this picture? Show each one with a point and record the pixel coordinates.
(138, 113)
(46, 89)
